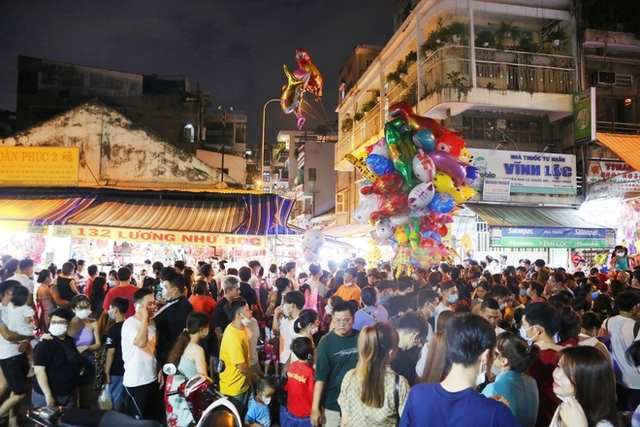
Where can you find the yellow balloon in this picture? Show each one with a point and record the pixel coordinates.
(443, 183)
(468, 192)
(458, 195)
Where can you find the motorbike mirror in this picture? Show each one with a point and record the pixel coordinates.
(169, 369)
(221, 366)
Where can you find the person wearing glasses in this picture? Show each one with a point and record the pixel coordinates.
(336, 354)
(512, 356)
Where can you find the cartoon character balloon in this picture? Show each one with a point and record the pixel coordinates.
(384, 228)
(312, 241)
(306, 78)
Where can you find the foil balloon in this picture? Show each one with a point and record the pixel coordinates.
(417, 122)
(313, 238)
(384, 228)
(315, 82)
(380, 148)
(423, 167)
(361, 165)
(378, 164)
(401, 148)
(393, 205)
(457, 194)
(472, 174)
(387, 184)
(291, 97)
(424, 139)
(421, 195)
(399, 219)
(368, 206)
(448, 164)
(450, 143)
(467, 192)
(443, 183)
(443, 203)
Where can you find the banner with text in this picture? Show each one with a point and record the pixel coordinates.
(527, 172)
(611, 178)
(159, 236)
(520, 237)
(39, 166)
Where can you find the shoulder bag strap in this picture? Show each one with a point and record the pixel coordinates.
(375, 319)
(396, 394)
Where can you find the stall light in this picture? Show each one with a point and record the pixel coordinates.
(601, 211)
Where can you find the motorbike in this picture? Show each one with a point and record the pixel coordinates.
(52, 416)
(208, 406)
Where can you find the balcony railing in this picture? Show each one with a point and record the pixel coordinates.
(399, 91)
(498, 69)
(618, 127)
(344, 146)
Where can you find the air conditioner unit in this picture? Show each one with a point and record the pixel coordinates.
(624, 80)
(606, 78)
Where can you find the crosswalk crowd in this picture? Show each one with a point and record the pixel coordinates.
(345, 344)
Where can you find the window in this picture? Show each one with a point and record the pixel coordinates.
(341, 202)
(266, 177)
(189, 133)
(312, 174)
(494, 129)
(266, 189)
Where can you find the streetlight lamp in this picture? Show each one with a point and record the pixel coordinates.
(264, 111)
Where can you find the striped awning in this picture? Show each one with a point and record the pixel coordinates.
(42, 210)
(162, 214)
(625, 146)
(264, 212)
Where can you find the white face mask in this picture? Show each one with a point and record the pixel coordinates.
(83, 314)
(619, 253)
(314, 330)
(503, 306)
(265, 400)
(286, 310)
(165, 293)
(245, 321)
(57, 330)
(474, 285)
(328, 310)
(481, 377)
(564, 398)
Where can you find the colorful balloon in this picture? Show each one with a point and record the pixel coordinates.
(315, 81)
(443, 183)
(387, 184)
(417, 122)
(305, 78)
(379, 147)
(450, 143)
(399, 219)
(424, 139)
(313, 238)
(423, 167)
(448, 164)
(384, 228)
(360, 164)
(472, 174)
(443, 203)
(401, 148)
(368, 206)
(392, 205)
(292, 92)
(421, 195)
(378, 164)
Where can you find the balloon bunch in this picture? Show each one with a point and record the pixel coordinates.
(306, 78)
(415, 175)
(312, 241)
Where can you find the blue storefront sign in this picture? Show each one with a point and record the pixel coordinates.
(532, 237)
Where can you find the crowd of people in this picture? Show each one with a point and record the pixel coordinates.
(477, 344)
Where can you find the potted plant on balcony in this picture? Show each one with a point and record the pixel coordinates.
(556, 39)
(458, 33)
(458, 82)
(347, 125)
(506, 39)
(485, 38)
(435, 40)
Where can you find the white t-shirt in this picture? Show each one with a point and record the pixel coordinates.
(287, 334)
(7, 348)
(139, 363)
(424, 352)
(621, 330)
(313, 284)
(16, 319)
(24, 281)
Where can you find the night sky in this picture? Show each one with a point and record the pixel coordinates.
(234, 49)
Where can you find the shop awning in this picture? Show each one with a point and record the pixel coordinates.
(348, 230)
(518, 227)
(625, 146)
(42, 210)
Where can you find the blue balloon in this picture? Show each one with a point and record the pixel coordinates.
(424, 139)
(472, 174)
(378, 164)
(442, 203)
(430, 234)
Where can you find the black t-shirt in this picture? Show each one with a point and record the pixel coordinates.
(114, 340)
(170, 322)
(62, 364)
(248, 293)
(404, 365)
(361, 280)
(220, 320)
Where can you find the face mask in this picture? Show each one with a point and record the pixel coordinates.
(415, 277)
(555, 289)
(453, 298)
(564, 398)
(112, 316)
(523, 292)
(594, 295)
(245, 321)
(433, 311)
(112, 283)
(328, 310)
(481, 377)
(57, 330)
(265, 400)
(314, 330)
(83, 314)
(474, 285)
(503, 306)
(165, 294)
(620, 254)
(523, 334)
(286, 310)
(529, 292)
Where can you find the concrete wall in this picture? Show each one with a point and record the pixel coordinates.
(323, 191)
(236, 165)
(115, 151)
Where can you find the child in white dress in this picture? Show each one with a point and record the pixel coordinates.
(20, 318)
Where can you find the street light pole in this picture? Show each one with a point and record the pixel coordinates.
(264, 111)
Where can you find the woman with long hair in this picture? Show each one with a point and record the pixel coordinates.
(45, 299)
(98, 292)
(372, 394)
(437, 366)
(189, 358)
(283, 285)
(585, 382)
(513, 357)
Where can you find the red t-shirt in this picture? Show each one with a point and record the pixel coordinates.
(541, 370)
(121, 291)
(300, 389)
(204, 304)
